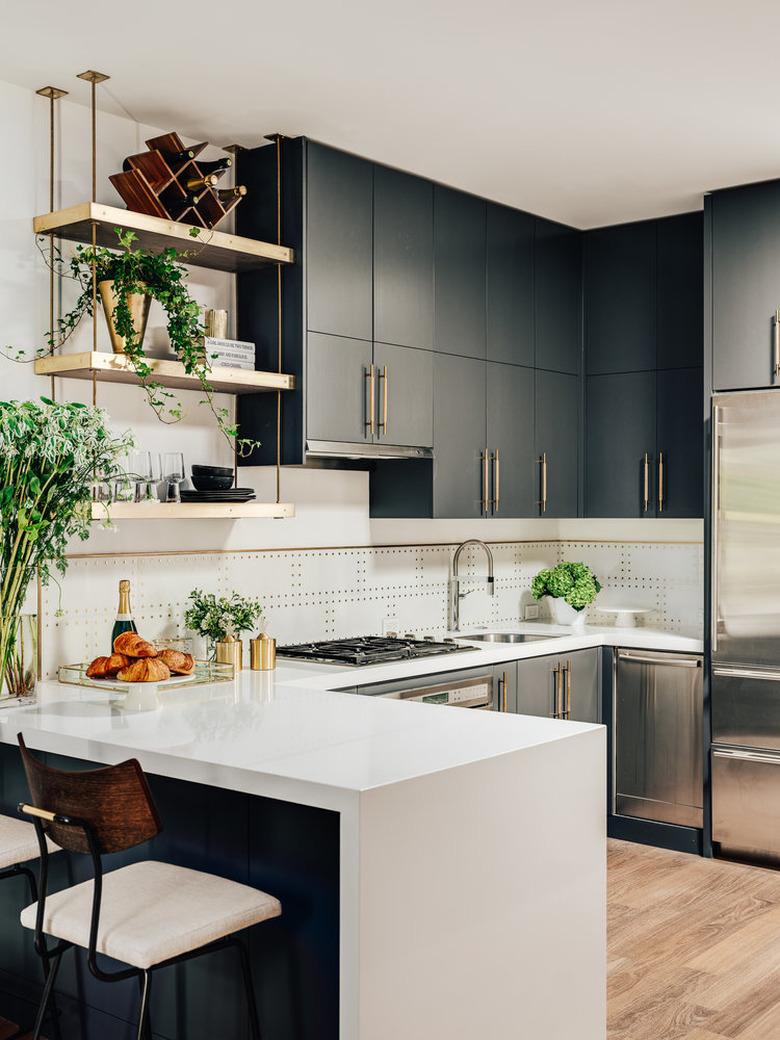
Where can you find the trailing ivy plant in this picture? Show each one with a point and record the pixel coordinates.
(49, 455)
(163, 277)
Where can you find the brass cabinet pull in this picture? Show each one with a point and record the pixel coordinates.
(371, 377)
(503, 685)
(496, 481)
(776, 342)
(646, 484)
(660, 482)
(485, 481)
(567, 708)
(383, 376)
(542, 460)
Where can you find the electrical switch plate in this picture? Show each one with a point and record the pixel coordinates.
(531, 612)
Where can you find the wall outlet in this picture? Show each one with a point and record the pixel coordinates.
(531, 612)
(389, 625)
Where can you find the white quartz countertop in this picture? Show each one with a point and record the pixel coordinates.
(285, 734)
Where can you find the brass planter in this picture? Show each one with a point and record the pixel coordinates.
(139, 304)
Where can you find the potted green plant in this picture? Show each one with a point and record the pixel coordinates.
(570, 587)
(219, 619)
(50, 454)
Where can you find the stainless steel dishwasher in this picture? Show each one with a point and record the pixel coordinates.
(657, 737)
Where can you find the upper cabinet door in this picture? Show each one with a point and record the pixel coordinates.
(620, 295)
(745, 285)
(558, 297)
(510, 286)
(557, 422)
(459, 250)
(510, 439)
(337, 404)
(679, 485)
(620, 432)
(404, 395)
(403, 259)
(339, 243)
(459, 486)
(680, 312)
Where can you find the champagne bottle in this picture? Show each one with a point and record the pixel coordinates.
(181, 205)
(217, 167)
(124, 615)
(199, 183)
(174, 159)
(226, 195)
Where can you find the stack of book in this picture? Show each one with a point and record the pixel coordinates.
(229, 353)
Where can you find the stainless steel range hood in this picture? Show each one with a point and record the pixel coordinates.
(358, 450)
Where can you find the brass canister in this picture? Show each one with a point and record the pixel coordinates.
(231, 651)
(262, 653)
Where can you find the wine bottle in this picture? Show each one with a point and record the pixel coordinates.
(226, 195)
(174, 159)
(124, 615)
(217, 167)
(198, 183)
(181, 205)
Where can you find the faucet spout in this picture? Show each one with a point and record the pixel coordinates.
(455, 594)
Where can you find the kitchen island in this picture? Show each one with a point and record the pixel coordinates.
(442, 872)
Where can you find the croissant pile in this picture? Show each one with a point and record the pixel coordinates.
(135, 660)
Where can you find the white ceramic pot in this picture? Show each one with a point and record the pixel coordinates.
(563, 614)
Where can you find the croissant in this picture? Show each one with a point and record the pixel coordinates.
(145, 669)
(178, 662)
(107, 667)
(131, 644)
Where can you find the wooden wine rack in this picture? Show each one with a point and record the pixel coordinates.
(152, 185)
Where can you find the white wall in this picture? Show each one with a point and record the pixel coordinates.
(332, 506)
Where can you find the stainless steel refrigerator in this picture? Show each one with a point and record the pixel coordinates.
(745, 622)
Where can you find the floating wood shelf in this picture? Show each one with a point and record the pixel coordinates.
(194, 511)
(213, 249)
(114, 368)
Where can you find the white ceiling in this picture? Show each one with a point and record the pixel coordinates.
(587, 111)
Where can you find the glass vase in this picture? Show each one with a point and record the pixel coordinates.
(20, 678)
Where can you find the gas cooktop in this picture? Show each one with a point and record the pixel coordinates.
(368, 650)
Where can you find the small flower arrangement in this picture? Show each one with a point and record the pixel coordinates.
(575, 583)
(217, 619)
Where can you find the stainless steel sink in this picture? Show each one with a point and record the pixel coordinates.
(505, 637)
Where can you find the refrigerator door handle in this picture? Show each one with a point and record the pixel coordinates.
(747, 756)
(714, 524)
(746, 673)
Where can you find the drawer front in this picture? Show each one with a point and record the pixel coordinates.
(746, 802)
(746, 707)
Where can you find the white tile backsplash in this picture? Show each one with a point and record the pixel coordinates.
(328, 593)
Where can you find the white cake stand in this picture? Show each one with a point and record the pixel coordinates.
(626, 616)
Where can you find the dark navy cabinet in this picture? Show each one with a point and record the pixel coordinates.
(459, 255)
(745, 251)
(460, 478)
(510, 439)
(558, 438)
(557, 297)
(510, 286)
(644, 351)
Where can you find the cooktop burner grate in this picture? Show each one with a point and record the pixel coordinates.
(365, 650)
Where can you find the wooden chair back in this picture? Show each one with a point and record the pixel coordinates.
(114, 801)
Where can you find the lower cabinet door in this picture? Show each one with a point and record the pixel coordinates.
(505, 685)
(510, 438)
(538, 686)
(583, 680)
(337, 393)
(557, 422)
(461, 483)
(404, 391)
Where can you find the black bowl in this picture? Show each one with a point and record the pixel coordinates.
(215, 482)
(212, 471)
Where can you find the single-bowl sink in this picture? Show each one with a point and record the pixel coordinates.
(505, 637)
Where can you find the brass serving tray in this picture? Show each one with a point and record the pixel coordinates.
(205, 672)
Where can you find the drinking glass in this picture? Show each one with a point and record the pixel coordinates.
(139, 470)
(172, 470)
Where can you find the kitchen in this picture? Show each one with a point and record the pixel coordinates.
(517, 431)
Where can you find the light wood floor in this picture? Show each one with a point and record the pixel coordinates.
(694, 947)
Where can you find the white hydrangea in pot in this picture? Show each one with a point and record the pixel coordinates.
(569, 588)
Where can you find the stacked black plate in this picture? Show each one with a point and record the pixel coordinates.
(230, 495)
(215, 484)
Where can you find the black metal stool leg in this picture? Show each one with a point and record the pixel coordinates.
(144, 1025)
(246, 971)
(50, 971)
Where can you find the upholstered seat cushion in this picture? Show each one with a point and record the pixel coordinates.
(18, 842)
(153, 911)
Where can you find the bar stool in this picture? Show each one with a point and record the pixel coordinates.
(148, 915)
